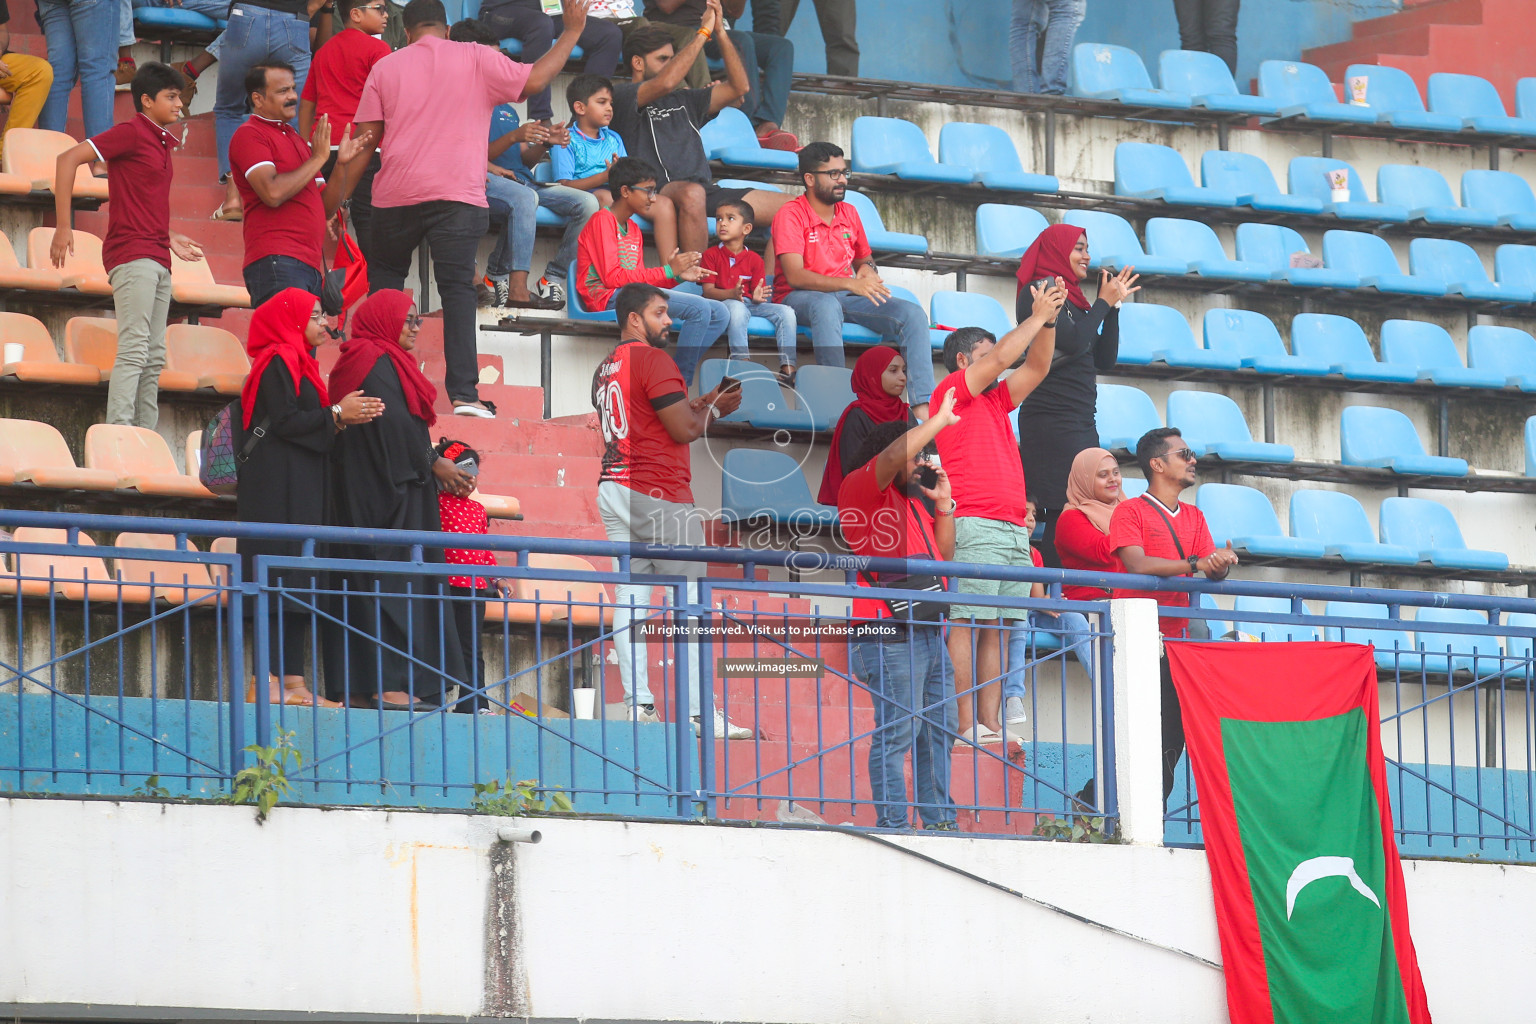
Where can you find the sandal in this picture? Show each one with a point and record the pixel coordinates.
(533, 302)
(292, 698)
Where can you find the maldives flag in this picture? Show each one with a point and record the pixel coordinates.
(1286, 750)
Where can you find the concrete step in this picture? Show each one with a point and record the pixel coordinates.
(1432, 12)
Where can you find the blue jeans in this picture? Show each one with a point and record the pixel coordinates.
(514, 246)
(1072, 627)
(913, 690)
(782, 317)
(268, 275)
(255, 34)
(770, 64)
(702, 322)
(894, 320)
(1058, 21)
(82, 45)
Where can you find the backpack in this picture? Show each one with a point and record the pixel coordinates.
(223, 451)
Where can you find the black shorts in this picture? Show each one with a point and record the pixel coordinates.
(714, 195)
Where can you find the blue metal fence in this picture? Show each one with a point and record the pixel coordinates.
(109, 679)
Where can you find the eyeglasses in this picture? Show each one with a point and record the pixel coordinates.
(1184, 454)
(381, 8)
(317, 315)
(413, 321)
(839, 175)
(648, 190)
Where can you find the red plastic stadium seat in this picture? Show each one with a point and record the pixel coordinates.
(140, 460)
(40, 362)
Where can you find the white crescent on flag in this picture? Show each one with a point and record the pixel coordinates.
(1310, 870)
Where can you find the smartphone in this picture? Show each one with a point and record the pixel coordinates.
(1041, 282)
(728, 384)
(928, 477)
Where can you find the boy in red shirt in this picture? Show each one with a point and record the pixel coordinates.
(137, 249)
(611, 254)
(1159, 535)
(335, 85)
(740, 282)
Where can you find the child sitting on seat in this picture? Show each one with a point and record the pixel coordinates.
(741, 283)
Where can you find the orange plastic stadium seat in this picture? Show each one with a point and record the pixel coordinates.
(39, 278)
(40, 362)
(140, 460)
(498, 506)
(580, 607)
(212, 356)
(174, 582)
(192, 451)
(92, 340)
(83, 269)
(32, 452)
(220, 546)
(193, 283)
(33, 154)
(74, 577)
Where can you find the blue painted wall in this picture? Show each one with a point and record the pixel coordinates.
(965, 42)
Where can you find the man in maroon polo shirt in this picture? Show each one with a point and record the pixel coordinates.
(277, 173)
(136, 251)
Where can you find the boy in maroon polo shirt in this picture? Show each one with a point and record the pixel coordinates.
(1159, 535)
(277, 173)
(136, 251)
(988, 480)
(334, 86)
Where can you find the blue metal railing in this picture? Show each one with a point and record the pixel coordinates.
(102, 687)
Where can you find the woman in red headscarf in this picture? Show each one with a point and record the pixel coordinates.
(879, 381)
(284, 479)
(386, 475)
(1056, 420)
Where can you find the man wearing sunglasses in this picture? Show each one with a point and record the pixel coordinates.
(1158, 535)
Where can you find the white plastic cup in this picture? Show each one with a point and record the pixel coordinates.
(1357, 89)
(584, 701)
(14, 350)
(1340, 195)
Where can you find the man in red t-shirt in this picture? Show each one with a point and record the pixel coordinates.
(827, 274)
(277, 174)
(1158, 535)
(982, 458)
(643, 491)
(898, 651)
(337, 73)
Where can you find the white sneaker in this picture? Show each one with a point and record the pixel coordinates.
(726, 730)
(1014, 712)
(644, 713)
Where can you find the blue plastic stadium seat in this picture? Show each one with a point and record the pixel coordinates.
(1206, 79)
(1385, 439)
(1338, 522)
(1525, 98)
(1303, 90)
(1423, 190)
(970, 309)
(1371, 257)
(1429, 528)
(1393, 96)
(1457, 266)
(148, 19)
(1308, 176)
(573, 307)
(1244, 516)
(1171, 238)
(1444, 652)
(881, 240)
(1249, 179)
(1122, 414)
(1515, 266)
(1341, 341)
(891, 145)
(1430, 348)
(768, 484)
(1147, 171)
(987, 152)
(1106, 72)
(1506, 351)
(1252, 337)
(1006, 231)
(1518, 649)
(729, 138)
(1150, 333)
(761, 397)
(514, 46)
(1530, 446)
(1271, 631)
(824, 392)
(1112, 244)
(1212, 424)
(1133, 487)
(1272, 245)
(1395, 651)
(1477, 103)
(1505, 195)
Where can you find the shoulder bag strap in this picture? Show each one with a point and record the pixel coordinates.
(1173, 533)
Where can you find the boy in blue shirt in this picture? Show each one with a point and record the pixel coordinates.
(584, 161)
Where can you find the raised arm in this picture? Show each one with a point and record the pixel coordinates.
(275, 189)
(1038, 363)
(981, 374)
(889, 462)
(548, 66)
(676, 69)
(735, 84)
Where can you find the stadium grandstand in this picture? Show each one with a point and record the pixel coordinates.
(625, 767)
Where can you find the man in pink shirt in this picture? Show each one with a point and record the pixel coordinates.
(430, 105)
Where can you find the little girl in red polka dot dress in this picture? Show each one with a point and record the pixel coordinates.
(466, 515)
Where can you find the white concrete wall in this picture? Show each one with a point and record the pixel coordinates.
(144, 907)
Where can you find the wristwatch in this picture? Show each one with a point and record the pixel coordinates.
(1194, 563)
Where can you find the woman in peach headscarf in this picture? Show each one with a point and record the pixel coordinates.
(1082, 532)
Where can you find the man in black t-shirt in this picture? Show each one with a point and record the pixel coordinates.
(25, 77)
(660, 123)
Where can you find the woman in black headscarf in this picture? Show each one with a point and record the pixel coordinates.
(386, 475)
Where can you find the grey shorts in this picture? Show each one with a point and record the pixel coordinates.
(991, 542)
